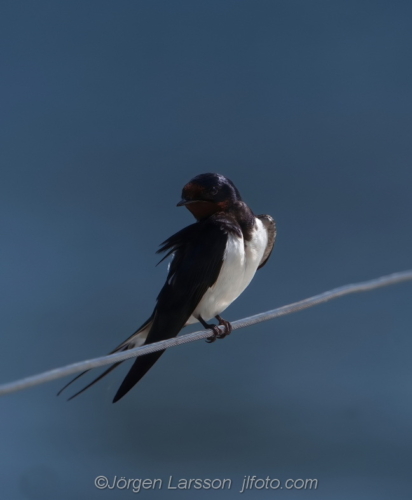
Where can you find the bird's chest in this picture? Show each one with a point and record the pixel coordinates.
(240, 262)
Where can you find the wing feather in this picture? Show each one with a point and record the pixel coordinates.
(270, 226)
(198, 251)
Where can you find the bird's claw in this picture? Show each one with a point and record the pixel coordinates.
(227, 325)
(217, 332)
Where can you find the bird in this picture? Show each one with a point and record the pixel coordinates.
(212, 261)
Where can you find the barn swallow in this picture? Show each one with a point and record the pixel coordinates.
(212, 262)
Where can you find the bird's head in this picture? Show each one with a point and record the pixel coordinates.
(206, 194)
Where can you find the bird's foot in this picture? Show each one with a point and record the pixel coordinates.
(217, 332)
(226, 324)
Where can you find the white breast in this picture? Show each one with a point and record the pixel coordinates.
(240, 262)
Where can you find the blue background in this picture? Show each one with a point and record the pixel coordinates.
(107, 110)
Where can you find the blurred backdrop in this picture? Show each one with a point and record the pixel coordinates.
(107, 110)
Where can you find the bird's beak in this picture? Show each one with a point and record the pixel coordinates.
(185, 202)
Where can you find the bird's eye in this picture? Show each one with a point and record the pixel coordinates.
(213, 191)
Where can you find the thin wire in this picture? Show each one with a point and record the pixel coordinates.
(50, 375)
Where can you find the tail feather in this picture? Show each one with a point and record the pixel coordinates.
(71, 381)
(96, 379)
(139, 368)
(137, 339)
